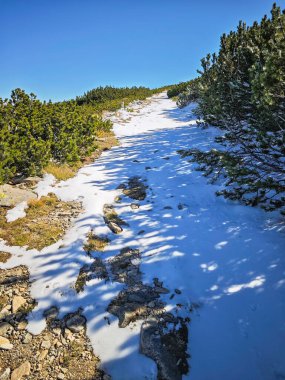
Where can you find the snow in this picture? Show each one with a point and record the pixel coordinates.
(16, 212)
(227, 259)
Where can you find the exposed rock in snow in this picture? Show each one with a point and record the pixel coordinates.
(12, 195)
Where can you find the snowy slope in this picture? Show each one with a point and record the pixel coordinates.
(228, 260)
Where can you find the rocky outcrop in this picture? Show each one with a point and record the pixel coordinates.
(164, 336)
(10, 195)
(61, 351)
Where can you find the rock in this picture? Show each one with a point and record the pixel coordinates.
(13, 195)
(17, 303)
(6, 374)
(5, 328)
(23, 370)
(4, 312)
(134, 206)
(122, 186)
(46, 344)
(32, 181)
(42, 355)
(125, 266)
(76, 323)
(136, 188)
(166, 354)
(28, 338)
(157, 282)
(114, 227)
(5, 344)
(161, 290)
(60, 376)
(22, 325)
(51, 313)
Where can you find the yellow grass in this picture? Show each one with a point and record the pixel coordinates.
(62, 172)
(39, 228)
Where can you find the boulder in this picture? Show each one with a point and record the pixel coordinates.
(10, 195)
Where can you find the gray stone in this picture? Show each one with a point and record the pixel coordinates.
(11, 195)
(114, 227)
(51, 313)
(76, 323)
(161, 290)
(151, 345)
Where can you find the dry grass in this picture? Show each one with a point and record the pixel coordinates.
(105, 141)
(4, 256)
(96, 243)
(62, 172)
(42, 226)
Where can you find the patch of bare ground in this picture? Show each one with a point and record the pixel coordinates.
(88, 272)
(4, 256)
(135, 188)
(45, 222)
(95, 243)
(61, 351)
(164, 335)
(97, 269)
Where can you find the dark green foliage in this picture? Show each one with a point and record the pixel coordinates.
(177, 89)
(34, 132)
(110, 98)
(190, 94)
(242, 91)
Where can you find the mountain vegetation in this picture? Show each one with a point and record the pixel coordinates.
(177, 89)
(110, 98)
(36, 134)
(241, 90)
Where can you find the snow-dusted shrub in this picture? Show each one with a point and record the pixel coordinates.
(242, 91)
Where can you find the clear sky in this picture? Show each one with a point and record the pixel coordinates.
(60, 48)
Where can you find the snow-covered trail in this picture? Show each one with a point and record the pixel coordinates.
(228, 260)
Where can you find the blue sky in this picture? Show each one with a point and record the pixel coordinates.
(60, 48)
